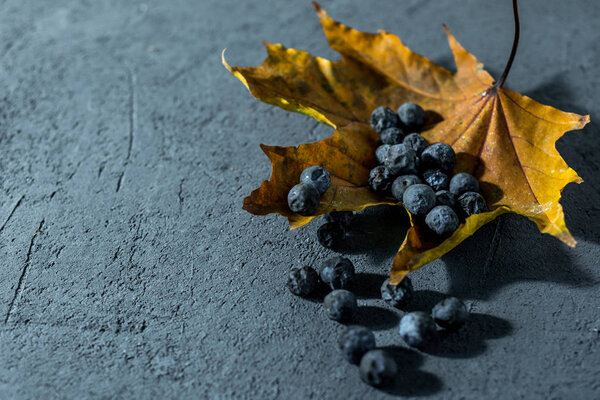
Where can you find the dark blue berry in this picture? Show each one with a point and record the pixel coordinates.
(412, 116)
(436, 179)
(380, 180)
(397, 295)
(316, 176)
(355, 342)
(450, 313)
(445, 198)
(338, 273)
(392, 136)
(399, 159)
(463, 182)
(340, 305)
(304, 199)
(330, 234)
(344, 218)
(416, 142)
(383, 118)
(378, 368)
(438, 156)
(381, 152)
(401, 183)
(470, 203)
(417, 329)
(419, 199)
(442, 220)
(303, 281)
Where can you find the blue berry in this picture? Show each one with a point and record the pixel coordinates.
(330, 234)
(419, 199)
(383, 118)
(442, 220)
(344, 218)
(416, 142)
(392, 136)
(380, 180)
(381, 152)
(399, 159)
(355, 342)
(439, 156)
(316, 176)
(412, 116)
(450, 313)
(436, 179)
(401, 183)
(338, 273)
(303, 281)
(378, 368)
(463, 182)
(445, 198)
(470, 203)
(397, 295)
(304, 199)
(340, 305)
(417, 329)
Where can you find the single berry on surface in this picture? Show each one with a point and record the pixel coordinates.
(445, 198)
(355, 342)
(316, 176)
(438, 156)
(417, 329)
(462, 183)
(419, 199)
(399, 159)
(340, 305)
(450, 313)
(330, 234)
(436, 179)
(303, 281)
(378, 368)
(381, 152)
(304, 199)
(442, 220)
(470, 203)
(344, 218)
(412, 116)
(383, 118)
(397, 295)
(416, 142)
(401, 183)
(380, 180)
(392, 136)
(338, 273)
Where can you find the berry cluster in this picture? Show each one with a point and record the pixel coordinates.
(419, 174)
(304, 198)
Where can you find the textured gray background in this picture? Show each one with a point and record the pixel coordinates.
(127, 142)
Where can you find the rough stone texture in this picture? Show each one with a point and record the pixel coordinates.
(129, 146)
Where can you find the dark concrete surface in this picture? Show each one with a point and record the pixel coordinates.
(130, 148)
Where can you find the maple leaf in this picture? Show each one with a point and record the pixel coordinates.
(505, 139)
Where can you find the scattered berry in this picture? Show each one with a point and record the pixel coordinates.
(378, 368)
(355, 342)
(338, 273)
(303, 281)
(383, 118)
(380, 180)
(450, 313)
(316, 176)
(442, 220)
(439, 155)
(397, 295)
(419, 199)
(303, 199)
(445, 198)
(340, 305)
(436, 179)
(417, 329)
(330, 234)
(399, 159)
(344, 218)
(463, 182)
(392, 136)
(470, 203)
(381, 152)
(411, 115)
(401, 183)
(416, 142)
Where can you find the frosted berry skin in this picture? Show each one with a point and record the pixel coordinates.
(344, 218)
(402, 183)
(338, 273)
(412, 116)
(380, 180)
(303, 281)
(316, 176)
(340, 305)
(397, 295)
(383, 118)
(392, 136)
(381, 152)
(304, 199)
(417, 329)
(462, 183)
(399, 159)
(355, 342)
(442, 220)
(330, 234)
(419, 199)
(450, 313)
(377, 368)
(470, 203)
(438, 156)
(436, 179)
(416, 142)
(445, 198)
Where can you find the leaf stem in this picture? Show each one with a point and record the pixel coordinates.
(513, 52)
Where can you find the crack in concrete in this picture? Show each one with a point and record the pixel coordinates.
(132, 122)
(17, 204)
